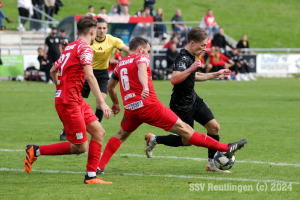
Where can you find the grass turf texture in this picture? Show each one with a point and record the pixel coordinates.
(268, 23)
(266, 112)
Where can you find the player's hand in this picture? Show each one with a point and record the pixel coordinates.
(223, 73)
(65, 43)
(106, 110)
(145, 93)
(45, 56)
(197, 64)
(115, 108)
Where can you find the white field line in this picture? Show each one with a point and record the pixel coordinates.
(160, 175)
(187, 158)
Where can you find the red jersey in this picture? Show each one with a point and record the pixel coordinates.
(130, 86)
(209, 44)
(218, 59)
(71, 75)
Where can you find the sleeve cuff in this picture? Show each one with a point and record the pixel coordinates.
(114, 77)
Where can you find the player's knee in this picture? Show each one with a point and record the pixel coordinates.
(214, 129)
(82, 148)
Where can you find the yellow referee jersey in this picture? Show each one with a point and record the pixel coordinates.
(102, 51)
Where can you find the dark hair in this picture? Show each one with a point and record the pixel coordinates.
(53, 28)
(62, 30)
(85, 23)
(39, 48)
(101, 20)
(91, 6)
(197, 34)
(138, 41)
(102, 8)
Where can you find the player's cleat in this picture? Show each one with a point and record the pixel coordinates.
(251, 77)
(30, 157)
(233, 147)
(150, 144)
(100, 171)
(212, 167)
(62, 136)
(94, 180)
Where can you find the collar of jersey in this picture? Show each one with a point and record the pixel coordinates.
(101, 41)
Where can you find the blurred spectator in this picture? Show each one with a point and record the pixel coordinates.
(171, 55)
(173, 40)
(44, 65)
(142, 28)
(160, 29)
(208, 45)
(34, 25)
(49, 9)
(114, 11)
(102, 13)
(91, 11)
(3, 16)
(139, 13)
(125, 11)
(181, 28)
(58, 3)
(121, 4)
(234, 57)
(243, 43)
(219, 61)
(54, 46)
(39, 4)
(150, 4)
(211, 23)
(24, 6)
(220, 41)
(62, 38)
(243, 66)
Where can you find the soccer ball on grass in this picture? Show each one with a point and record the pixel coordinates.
(222, 162)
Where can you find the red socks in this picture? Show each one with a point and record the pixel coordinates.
(62, 148)
(111, 147)
(93, 156)
(203, 140)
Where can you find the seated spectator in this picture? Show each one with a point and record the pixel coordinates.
(211, 23)
(91, 11)
(220, 41)
(171, 55)
(173, 40)
(160, 29)
(125, 11)
(114, 11)
(243, 43)
(142, 28)
(181, 28)
(150, 4)
(208, 45)
(44, 65)
(122, 4)
(3, 16)
(102, 13)
(243, 67)
(218, 61)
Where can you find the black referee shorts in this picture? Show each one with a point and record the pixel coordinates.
(52, 57)
(199, 112)
(102, 79)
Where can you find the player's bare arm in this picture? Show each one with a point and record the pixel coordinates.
(178, 77)
(54, 74)
(125, 48)
(60, 48)
(113, 95)
(207, 76)
(96, 91)
(143, 77)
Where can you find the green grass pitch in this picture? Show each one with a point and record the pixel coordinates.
(266, 112)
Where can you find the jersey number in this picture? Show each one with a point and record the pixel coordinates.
(125, 79)
(63, 58)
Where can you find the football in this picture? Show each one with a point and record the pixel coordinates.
(222, 162)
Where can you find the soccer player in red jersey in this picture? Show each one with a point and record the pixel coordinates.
(142, 106)
(69, 73)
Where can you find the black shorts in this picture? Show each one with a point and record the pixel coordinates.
(52, 57)
(102, 79)
(199, 112)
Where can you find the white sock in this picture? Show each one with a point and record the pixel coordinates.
(91, 174)
(38, 153)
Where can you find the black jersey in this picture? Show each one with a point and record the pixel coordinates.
(53, 44)
(184, 95)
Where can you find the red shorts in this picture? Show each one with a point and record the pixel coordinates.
(155, 115)
(75, 117)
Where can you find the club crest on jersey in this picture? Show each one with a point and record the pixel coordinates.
(134, 105)
(145, 59)
(100, 48)
(182, 65)
(79, 136)
(56, 40)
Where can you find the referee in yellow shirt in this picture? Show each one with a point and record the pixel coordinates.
(103, 46)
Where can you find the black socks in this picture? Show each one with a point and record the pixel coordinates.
(170, 140)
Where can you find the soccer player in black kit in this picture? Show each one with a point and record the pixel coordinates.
(185, 103)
